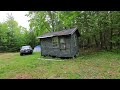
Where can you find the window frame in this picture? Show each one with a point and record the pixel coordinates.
(55, 42)
(75, 39)
(62, 43)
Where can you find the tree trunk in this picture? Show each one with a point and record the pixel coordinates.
(88, 43)
(105, 45)
(52, 19)
(101, 40)
(96, 42)
(118, 42)
(111, 39)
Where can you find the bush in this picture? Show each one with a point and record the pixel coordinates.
(116, 50)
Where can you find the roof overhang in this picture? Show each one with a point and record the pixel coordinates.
(59, 33)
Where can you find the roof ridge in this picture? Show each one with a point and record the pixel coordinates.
(59, 33)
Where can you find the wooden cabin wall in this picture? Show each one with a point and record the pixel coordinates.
(48, 49)
(74, 48)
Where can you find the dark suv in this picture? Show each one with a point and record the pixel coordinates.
(26, 50)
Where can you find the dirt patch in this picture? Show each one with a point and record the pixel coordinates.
(22, 76)
(7, 56)
(114, 64)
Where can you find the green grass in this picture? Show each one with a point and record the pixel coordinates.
(100, 65)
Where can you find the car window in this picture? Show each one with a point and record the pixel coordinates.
(26, 47)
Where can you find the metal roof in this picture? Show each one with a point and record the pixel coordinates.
(59, 33)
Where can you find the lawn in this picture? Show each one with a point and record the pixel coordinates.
(100, 65)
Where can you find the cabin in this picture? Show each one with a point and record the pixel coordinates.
(63, 43)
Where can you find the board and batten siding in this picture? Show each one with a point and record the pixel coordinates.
(46, 46)
(65, 52)
(74, 44)
(48, 49)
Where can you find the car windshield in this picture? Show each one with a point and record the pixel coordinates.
(25, 47)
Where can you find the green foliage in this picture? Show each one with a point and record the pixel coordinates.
(100, 29)
(12, 36)
(97, 28)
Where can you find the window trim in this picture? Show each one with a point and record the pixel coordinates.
(75, 39)
(62, 43)
(55, 42)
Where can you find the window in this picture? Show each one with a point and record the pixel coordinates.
(62, 43)
(62, 40)
(55, 41)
